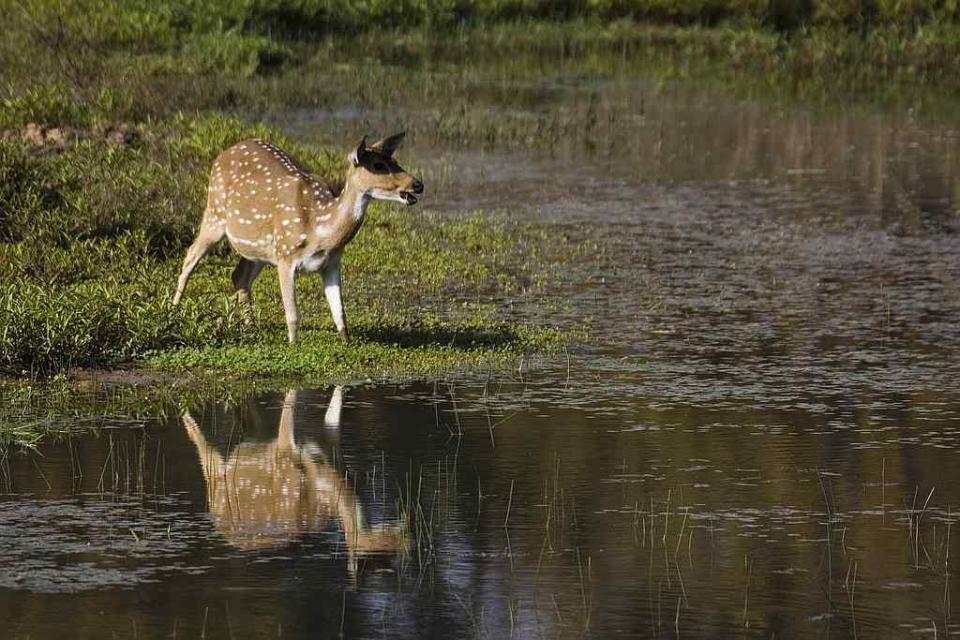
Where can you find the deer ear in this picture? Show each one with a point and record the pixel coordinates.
(389, 144)
(357, 153)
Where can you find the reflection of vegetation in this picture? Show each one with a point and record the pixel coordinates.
(561, 516)
(59, 407)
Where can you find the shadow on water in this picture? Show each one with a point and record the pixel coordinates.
(500, 336)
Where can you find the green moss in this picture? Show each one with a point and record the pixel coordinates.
(65, 403)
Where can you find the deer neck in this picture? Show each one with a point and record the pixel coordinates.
(338, 222)
(353, 204)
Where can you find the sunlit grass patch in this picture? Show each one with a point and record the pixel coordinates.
(375, 352)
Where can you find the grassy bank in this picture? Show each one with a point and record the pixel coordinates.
(93, 238)
(111, 113)
(127, 102)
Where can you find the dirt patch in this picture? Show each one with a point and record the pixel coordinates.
(92, 378)
(44, 137)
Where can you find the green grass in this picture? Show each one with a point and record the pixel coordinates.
(94, 237)
(91, 235)
(377, 352)
(887, 61)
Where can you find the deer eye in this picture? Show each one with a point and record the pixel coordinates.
(379, 166)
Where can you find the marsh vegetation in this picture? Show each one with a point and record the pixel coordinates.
(112, 113)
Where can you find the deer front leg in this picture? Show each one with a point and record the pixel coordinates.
(288, 273)
(331, 289)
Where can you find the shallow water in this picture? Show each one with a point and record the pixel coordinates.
(760, 438)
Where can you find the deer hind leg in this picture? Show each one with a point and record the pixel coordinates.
(208, 236)
(243, 277)
(210, 458)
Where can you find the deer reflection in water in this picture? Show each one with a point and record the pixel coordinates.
(266, 495)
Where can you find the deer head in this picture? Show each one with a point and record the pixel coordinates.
(374, 171)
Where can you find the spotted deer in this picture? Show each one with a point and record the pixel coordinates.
(266, 495)
(274, 212)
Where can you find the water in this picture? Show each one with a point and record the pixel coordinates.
(760, 437)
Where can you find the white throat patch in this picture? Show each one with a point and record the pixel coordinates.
(360, 206)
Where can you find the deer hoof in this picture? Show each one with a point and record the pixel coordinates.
(343, 335)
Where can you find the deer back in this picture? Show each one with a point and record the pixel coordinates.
(265, 200)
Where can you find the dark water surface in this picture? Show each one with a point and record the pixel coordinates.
(761, 438)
